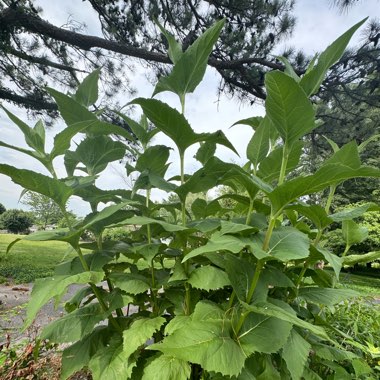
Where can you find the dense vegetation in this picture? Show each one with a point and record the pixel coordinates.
(217, 297)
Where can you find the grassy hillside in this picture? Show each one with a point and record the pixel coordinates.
(29, 260)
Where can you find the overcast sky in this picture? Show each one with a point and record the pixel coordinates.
(318, 24)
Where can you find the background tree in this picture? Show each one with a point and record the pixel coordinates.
(45, 210)
(35, 52)
(2, 208)
(16, 221)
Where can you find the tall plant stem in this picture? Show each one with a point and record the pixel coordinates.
(330, 198)
(183, 203)
(250, 209)
(96, 291)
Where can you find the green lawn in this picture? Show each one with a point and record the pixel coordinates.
(363, 284)
(29, 260)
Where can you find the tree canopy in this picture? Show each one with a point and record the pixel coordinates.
(36, 52)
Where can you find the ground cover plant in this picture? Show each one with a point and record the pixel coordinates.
(30, 260)
(217, 297)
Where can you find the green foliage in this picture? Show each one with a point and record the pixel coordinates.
(2, 208)
(16, 221)
(216, 296)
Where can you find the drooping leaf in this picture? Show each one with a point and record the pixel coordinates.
(326, 296)
(75, 325)
(87, 91)
(363, 258)
(335, 261)
(48, 288)
(311, 81)
(207, 343)
(269, 309)
(288, 107)
(165, 367)
(39, 183)
(191, 66)
(208, 278)
(296, 363)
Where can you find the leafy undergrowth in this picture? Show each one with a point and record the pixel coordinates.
(28, 261)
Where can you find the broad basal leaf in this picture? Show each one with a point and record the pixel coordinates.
(296, 363)
(166, 367)
(288, 107)
(191, 66)
(208, 278)
(207, 343)
(47, 288)
(39, 183)
(257, 334)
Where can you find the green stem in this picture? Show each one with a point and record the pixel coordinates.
(330, 198)
(269, 232)
(346, 250)
(182, 168)
(284, 163)
(250, 209)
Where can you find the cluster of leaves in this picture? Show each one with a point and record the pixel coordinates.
(214, 298)
(16, 221)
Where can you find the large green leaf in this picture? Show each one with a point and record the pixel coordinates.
(271, 310)
(326, 296)
(79, 354)
(286, 243)
(165, 367)
(87, 92)
(111, 363)
(169, 121)
(208, 278)
(205, 152)
(191, 66)
(95, 153)
(353, 233)
(315, 213)
(39, 183)
(296, 363)
(312, 80)
(288, 107)
(327, 175)
(139, 332)
(354, 212)
(75, 325)
(48, 288)
(207, 343)
(257, 334)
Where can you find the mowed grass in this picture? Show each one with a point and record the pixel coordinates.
(28, 260)
(363, 284)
